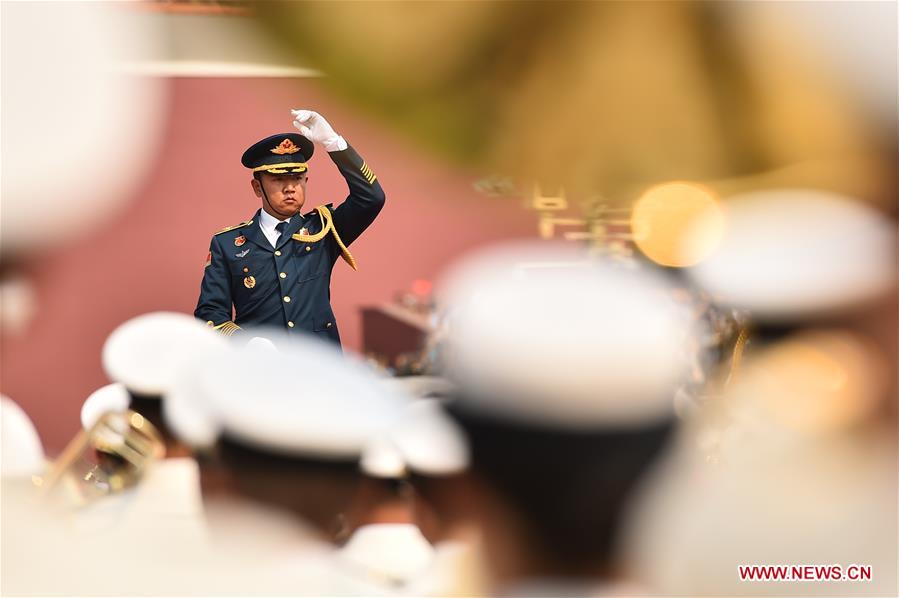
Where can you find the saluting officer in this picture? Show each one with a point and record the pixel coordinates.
(275, 268)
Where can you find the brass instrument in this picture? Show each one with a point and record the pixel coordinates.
(108, 458)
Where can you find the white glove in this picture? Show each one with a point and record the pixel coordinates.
(315, 128)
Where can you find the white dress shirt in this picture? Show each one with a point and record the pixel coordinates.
(267, 223)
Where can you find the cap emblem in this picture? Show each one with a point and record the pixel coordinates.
(287, 147)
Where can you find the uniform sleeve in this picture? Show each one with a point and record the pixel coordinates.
(366, 196)
(214, 305)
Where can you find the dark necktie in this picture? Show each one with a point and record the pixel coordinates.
(281, 227)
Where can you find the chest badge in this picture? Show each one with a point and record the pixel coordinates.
(242, 253)
(304, 231)
(249, 282)
(240, 240)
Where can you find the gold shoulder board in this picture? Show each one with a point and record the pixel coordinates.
(227, 228)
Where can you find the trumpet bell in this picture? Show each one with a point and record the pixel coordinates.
(110, 456)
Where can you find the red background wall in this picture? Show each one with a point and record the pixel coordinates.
(151, 256)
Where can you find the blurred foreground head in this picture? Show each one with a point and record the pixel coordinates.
(109, 128)
(566, 370)
(795, 464)
(143, 357)
(283, 428)
(123, 429)
(791, 256)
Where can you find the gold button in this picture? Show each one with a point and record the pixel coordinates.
(210, 323)
(278, 252)
(328, 325)
(290, 324)
(282, 275)
(246, 269)
(308, 248)
(286, 299)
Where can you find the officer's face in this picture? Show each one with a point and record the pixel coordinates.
(285, 193)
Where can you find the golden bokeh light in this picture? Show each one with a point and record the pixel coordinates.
(820, 380)
(677, 223)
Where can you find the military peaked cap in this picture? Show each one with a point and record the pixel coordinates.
(279, 154)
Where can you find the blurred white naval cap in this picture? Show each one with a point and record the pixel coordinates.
(424, 440)
(112, 397)
(307, 399)
(21, 448)
(788, 253)
(145, 353)
(84, 56)
(544, 334)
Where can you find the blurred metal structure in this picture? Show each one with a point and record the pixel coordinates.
(210, 38)
(604, 97)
